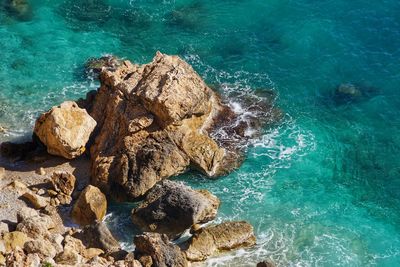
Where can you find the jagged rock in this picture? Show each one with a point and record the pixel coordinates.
(95, 65)
(152, 123)
(25, 213)
(13, 240)
(63, 199)
(37, 201)
(63, 182)
(65, 130)
(36, 226)
(90, 206)
(171, 208)
(40, 246)
(223, 237)
(16, 255)
(56, 240)
(98, 236)
(162, 252)
(266, 263)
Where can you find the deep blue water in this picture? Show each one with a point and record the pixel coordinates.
(323, 187)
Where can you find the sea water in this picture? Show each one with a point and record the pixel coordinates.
(322, 188)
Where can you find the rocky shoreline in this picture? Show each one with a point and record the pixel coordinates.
(145, 124)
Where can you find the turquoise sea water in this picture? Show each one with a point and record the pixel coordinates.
(322, 188)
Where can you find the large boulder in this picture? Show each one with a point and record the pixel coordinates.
(152, 123)
(171, 208)
(90, 206)
(223, 237)
(65, 130)
(162, 252)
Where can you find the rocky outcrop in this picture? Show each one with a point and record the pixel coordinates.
(223, 237)
(156, 250)
(90, 206)
(152, 124)
(63, 182)
(94, 66)
(171, 208)
(65, 130)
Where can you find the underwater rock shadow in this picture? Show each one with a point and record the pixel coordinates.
(20, 10)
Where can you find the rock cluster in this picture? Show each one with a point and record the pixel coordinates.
(145, 123)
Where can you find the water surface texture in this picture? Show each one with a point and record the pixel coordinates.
(323, 187)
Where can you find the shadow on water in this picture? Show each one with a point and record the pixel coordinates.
(20, 10)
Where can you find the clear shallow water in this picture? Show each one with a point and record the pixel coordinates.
(323, 188)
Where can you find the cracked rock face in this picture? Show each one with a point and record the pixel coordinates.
(154, 121)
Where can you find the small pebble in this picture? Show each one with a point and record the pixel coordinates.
(41, 192)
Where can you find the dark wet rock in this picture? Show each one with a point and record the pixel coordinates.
(97, 235)
(222, 237)
(162, 252)
(94, 66)
(171, 208)
(266, 263)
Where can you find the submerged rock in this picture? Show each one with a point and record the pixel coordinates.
(162, 252)
(90, 206)
(353, 92)
(65, 130)
(171, 208)
(223, 237)
(20, 9)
